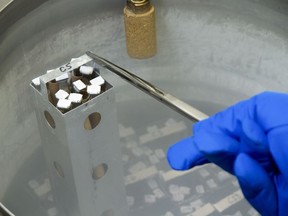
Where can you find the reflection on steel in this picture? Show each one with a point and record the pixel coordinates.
(4, 211)
(168, 99)
(4, 4)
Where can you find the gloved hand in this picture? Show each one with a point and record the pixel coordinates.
(250, 141)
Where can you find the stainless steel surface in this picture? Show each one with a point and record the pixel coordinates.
(211, 54)
(162, 96)
(83, 159)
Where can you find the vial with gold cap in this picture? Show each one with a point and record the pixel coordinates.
(139, 18)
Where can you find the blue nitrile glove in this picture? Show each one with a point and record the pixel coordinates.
(249, 140)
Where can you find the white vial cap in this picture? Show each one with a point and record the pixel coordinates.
(97, 81)
(61, 94)
(94, 89)
(64, 104)
(62, 77)
(75, 97)
(36, 81)
(79, 85)
(86, 70)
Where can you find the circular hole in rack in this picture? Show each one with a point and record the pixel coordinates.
(49, 119)
(109, 212)
(59, 169)
(92, 121)
(99, 171)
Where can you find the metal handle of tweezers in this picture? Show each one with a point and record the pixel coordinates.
(162, 96)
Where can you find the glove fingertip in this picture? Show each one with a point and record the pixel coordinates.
(173, 159)
(184, 155)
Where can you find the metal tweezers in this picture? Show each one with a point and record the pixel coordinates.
(162, 96)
